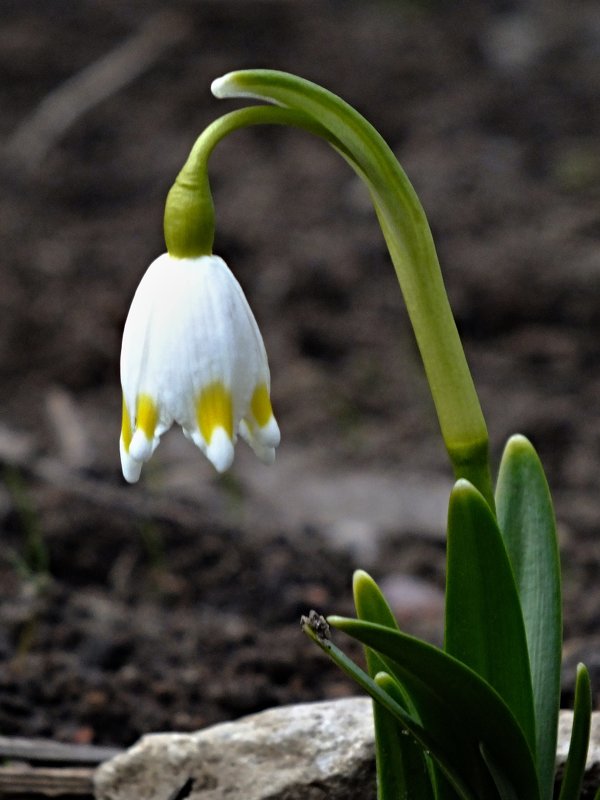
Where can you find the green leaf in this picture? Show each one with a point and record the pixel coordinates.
(505, 788)
(484, 623)
(580, 737)
(372, 606)
(423, 736)
(526, 521)
(460, 712)
(402, 757)
(402, 770)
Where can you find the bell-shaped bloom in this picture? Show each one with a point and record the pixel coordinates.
(193, 354)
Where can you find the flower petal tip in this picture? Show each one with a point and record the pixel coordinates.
(220, 451)
(141, 448)
(130, 467)
(270, 434)
(265, 454)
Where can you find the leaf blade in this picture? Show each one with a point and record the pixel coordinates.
(402, 770)
(526, 521)
(484, 623)
(580, 736)
(457, 708)
(405, 755)
(421, 734)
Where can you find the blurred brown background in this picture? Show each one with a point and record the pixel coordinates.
(174, 603)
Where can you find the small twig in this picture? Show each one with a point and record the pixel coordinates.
(51, 782)
(50, 752)
(57, 112)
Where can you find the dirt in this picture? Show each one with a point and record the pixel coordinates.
(175, 604)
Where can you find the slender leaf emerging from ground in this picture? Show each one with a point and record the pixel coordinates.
(399, 751)
(580, 737)
(484, 623)
(316, 628)
(526, 521)
(402, 771)
(459, 710)
(505, 788)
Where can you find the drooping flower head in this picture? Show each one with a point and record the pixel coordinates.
(192, 354)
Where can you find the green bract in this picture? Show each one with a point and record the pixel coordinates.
(477, 719)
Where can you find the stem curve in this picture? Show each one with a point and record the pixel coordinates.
(410, 243)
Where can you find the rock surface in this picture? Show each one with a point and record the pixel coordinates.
(310, 751)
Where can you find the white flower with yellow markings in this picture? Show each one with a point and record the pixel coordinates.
(193, 354)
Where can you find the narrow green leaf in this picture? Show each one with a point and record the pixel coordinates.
(526, 521)
(505, 788)
(370, 602)
(580, 737)
(401, 768)
(372, 606)
(458, 709)
(400, 753)
(484, 623)
(430, 744)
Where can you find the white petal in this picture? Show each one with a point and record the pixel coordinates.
(269, 434)
(220, 450)
(263, 441)
(190, 326)
(265, 454)
(130, 467)
(141, 448)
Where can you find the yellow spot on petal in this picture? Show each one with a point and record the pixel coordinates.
(126, 427)
(260, 405)
(214, 409)
(147, 415)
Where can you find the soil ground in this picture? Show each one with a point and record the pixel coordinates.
(175, 603)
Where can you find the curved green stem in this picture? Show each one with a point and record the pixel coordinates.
(189, 232)
(411, 247)
(189, 222)
(244, 118)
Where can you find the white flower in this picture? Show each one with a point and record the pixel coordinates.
(193, 354)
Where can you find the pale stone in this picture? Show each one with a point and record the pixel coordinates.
(311, 751)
